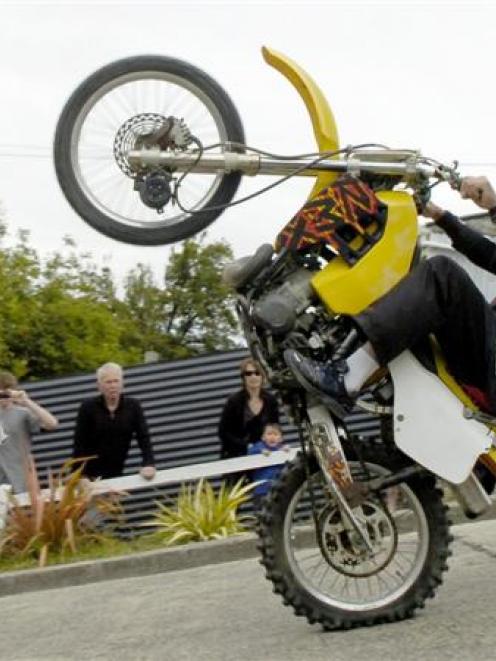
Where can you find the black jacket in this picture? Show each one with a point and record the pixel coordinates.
(474, 245)
(235, 432)
(108, 436)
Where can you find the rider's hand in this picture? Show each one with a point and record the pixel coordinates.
(479, 190)
(432, 211)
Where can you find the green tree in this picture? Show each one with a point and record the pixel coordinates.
(19, 272)
(63, 315)
(58, 317)
(193, 311)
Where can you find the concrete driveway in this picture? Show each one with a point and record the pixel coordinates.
(227, 612)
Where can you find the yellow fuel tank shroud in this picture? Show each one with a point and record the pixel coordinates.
(345, 289)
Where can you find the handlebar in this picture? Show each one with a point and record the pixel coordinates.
(409, 165)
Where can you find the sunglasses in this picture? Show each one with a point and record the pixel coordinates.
(251, 373)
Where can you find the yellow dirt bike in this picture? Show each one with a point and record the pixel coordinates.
(150, 150)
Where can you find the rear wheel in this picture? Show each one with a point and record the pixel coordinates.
(326, 576)
(116, 110)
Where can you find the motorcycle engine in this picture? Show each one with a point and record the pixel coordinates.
(277, 311)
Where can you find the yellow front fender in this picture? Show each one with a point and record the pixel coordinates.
(324, 125)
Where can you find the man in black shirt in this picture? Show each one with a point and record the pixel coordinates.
(436, 297)
(105, 426)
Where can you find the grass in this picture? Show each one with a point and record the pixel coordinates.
(108, 548)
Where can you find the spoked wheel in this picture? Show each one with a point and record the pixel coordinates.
(157, 103)
(328, 576)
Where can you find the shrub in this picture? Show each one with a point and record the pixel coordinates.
(200, 513)
(58, 522)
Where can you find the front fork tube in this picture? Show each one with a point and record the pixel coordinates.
(334, 466)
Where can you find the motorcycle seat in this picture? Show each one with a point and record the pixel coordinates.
(238, 273)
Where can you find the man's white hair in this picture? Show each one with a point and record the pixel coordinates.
(108, 367)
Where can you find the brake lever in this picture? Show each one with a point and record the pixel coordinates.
(450, 175)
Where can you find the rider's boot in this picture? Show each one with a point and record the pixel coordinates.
(326, 377)
(341, 380)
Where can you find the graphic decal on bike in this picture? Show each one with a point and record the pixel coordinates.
(347, 216)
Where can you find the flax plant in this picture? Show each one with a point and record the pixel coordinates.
(201, 514)
(59, 520)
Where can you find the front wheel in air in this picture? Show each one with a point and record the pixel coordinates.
(149, 102)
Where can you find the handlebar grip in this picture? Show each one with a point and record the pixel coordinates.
(450, 175)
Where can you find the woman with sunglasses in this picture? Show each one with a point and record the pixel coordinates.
(246, 412)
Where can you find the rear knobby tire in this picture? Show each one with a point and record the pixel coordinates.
(274, 549)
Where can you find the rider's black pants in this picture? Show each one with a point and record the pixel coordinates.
(437, 297)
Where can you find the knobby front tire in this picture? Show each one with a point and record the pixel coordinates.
(98, 121)
(322, 581)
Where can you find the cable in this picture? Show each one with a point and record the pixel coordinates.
(320, 157)
(193, 165)
(284, 157)
(278, 182)
(350, 149)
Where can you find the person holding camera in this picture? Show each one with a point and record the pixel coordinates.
(20, 418)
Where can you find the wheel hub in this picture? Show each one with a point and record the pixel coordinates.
(154, 189)
(345, 551)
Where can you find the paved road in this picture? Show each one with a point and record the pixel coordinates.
(228, 612)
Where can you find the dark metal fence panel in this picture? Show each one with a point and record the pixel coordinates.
(182, 401)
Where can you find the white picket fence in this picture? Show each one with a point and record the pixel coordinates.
(179, 474)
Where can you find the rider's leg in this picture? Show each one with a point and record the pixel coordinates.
(437, 297)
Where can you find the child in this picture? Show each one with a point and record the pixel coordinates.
(271, 442)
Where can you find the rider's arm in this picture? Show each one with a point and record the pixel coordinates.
(479, 250)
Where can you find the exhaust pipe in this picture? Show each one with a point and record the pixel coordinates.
(472, 497)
